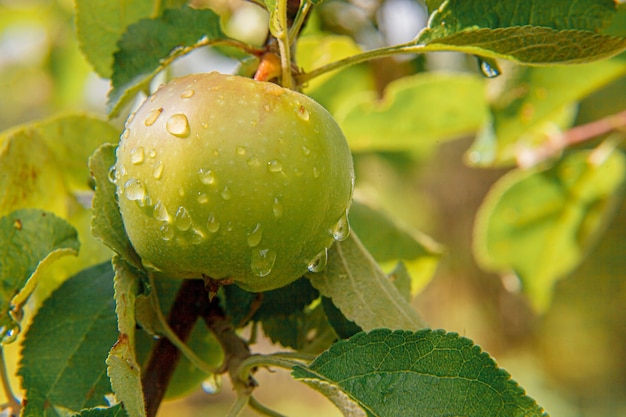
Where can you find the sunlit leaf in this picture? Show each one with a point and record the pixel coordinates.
(415, 114)
(122, 366)
(425, 373)
(390, 243)
(31, 239)
(539, 224)
(115, 411)
(147, 44)
(65, 347)
(106, 223)
(529, 105)
(535, 33)
(99, 25)
(363, 293)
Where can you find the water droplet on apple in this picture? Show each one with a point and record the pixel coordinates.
(160, 212)
(137, 155)
(182, 220)
(241, 150)
(157, 170)
(262, 261)
(152, 153)
(134, 190)
(318, 264)
(152, 117)
(303, 113)
(341, 230)
(213, 225)
(206, 176)
(187, 93)
(253, 161)
(126, 134)
(306, 150)
(226, 193)
(255, 236)
(167, 232)
(316, 172)
(277, 208)
(197, 237)
(203, 198)
(274, 166)
(178, 125)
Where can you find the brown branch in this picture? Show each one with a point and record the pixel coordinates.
(191, 300)
(576, 135)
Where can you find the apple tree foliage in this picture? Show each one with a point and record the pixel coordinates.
(115, 337)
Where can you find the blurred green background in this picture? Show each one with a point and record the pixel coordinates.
(570, 358)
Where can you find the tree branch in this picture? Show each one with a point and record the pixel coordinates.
(191, 299)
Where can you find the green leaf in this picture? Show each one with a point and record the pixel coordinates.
(31, 239)
(529, 104)
(243, 306)
(62, 361)
(44, 162)
(341, 325)
(99, 25)
(115, 411)
(426, 373)
(363, 293)
(305, 331)
(390, 243)
(122, 366)
(415, 114)
(106, 222)
(525, 31)
(539, 224)
(150, 44)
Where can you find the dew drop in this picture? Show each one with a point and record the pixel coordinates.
(167, 232)
(226, 193)
(157, 170)
(318, 264)
(213, 225)
(206, 176)
(341, 229)
(316, 172)
(274, 166)
(152, 153)
(203, 199)
(111, 174)
(178, 125)
(197, 237)
(137, 155)
(152, 117)
(262, 262)
(187, 93)
(255, 236)
(303, 113)
(181, 191)
(160, 212)
(489, 68)
(9, 331)
(253, 161)
(213, 384)
(182, 220)
(134, 190)
(306, 150)
(266, 107)
(205, 125)
(126, 134)
(277, 208)
(241, 150)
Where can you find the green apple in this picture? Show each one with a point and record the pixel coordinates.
(233, 179)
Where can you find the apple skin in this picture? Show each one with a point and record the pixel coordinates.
(239, 180)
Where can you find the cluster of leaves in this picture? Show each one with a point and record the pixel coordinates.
(537, 222)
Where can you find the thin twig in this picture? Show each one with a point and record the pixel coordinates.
(559, 141)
